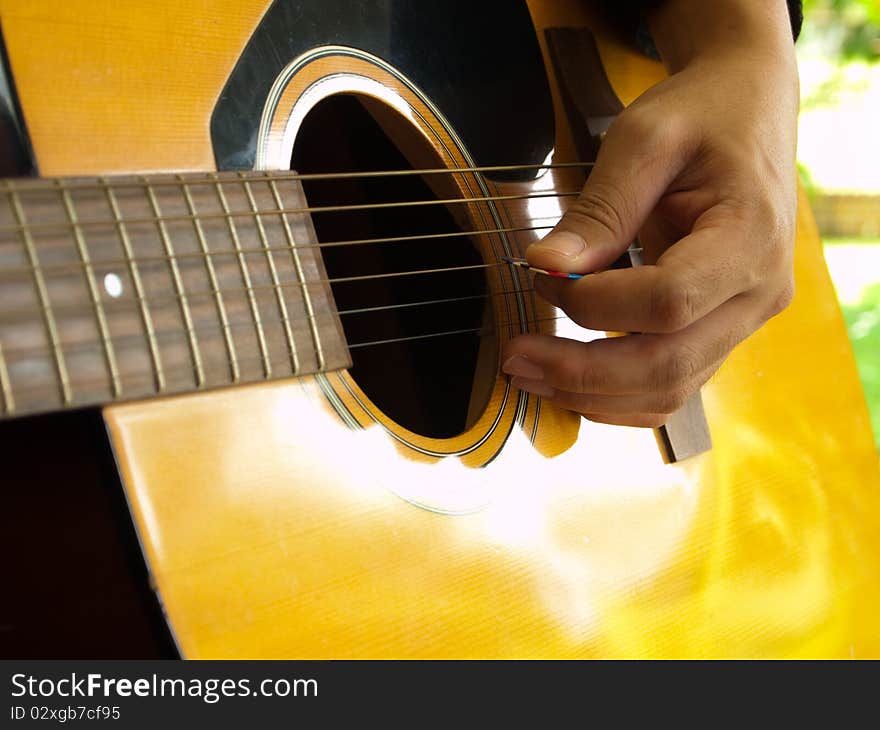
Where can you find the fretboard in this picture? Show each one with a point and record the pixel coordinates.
(128, 287)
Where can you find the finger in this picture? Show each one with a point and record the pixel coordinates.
(693, 278)
(640, 156)
(621, 410)
(642, 363)
(664, 402)
(641, 420)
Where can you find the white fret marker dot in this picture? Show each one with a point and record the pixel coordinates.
(113, 285)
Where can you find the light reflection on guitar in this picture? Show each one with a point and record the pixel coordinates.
(295, 517)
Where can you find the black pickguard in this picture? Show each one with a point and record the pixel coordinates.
(16, 154)
(480, 62)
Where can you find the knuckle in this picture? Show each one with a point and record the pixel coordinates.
(783, 297)
(577, 377)
(599, 204)
(776, 252)
(672, 401)
(673, 367)
(672, 304)
(773, 229)
(637, 127)
(647, 126)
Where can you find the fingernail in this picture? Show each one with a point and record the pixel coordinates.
(564, 243)
(522, 366)
(536, 387)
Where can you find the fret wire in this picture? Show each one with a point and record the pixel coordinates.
(6, 385)
(360, 310)
(212, 278)
(43, 293)
(255, 310)
(277, 249)
(168, 334)
(178, 285)
(101, 319)
(273, 272)
(318, 209)
(482, 331)
(307, 300)
(283, 285)
(146, 317)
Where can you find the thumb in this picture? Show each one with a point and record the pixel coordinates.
(636, 164)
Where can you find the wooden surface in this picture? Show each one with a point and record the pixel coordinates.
(274, 529)
(124, 287)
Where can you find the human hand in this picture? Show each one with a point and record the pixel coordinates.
(702, 168)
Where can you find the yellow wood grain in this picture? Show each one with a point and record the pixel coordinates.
(272, 529)
(110, 86)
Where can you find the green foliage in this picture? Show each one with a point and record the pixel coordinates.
(863, 324)
(861, 241)
(835, 86)
(853, 12)
(807, 180)
(849, 30)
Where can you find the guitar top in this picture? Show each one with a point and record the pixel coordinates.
(296, 352)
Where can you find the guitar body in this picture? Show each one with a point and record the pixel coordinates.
(317, 518)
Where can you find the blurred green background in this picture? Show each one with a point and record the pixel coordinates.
(839, 161)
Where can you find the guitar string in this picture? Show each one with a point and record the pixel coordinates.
(24, 353)
(206, 329)
(27, 312)
(18, 228)
(23, 185)
(318, 209)
(115, 306)
(310, 282)
(208, 368)
(49, 269)
(200, 256)
(12, 315)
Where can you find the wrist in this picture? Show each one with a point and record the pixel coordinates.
(686, 31)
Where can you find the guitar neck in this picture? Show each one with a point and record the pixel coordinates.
(120, 288)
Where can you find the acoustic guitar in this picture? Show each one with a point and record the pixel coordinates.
(252, 296)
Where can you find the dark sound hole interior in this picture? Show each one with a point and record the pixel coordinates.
(425, 380)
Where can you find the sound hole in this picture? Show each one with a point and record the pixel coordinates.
(406, 358)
